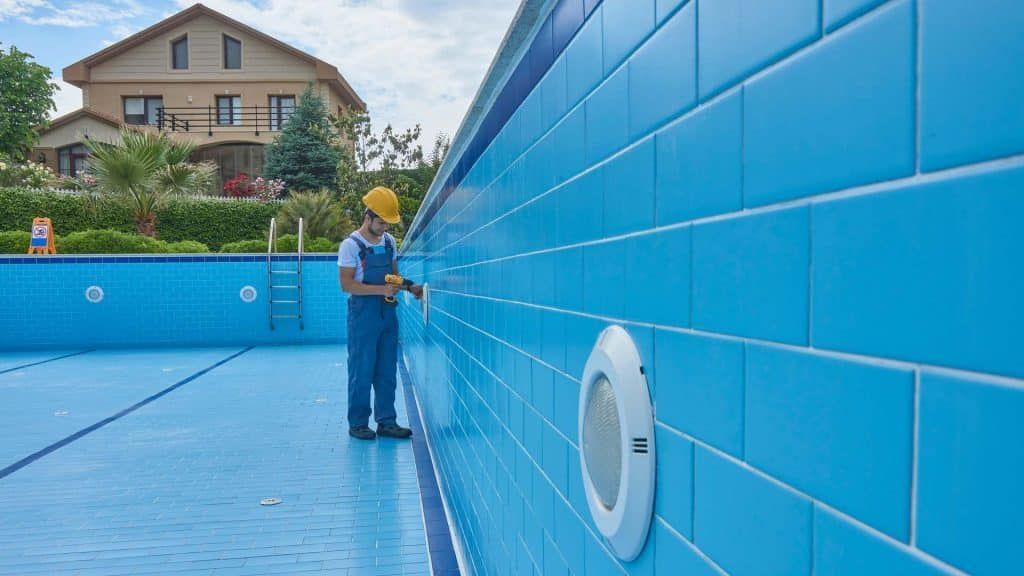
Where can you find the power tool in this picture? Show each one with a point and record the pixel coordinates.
(396, 280)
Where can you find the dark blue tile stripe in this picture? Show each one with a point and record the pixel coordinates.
(439, 538)
(561, 24)
(44, 361)
(133, 259)
(84, 431)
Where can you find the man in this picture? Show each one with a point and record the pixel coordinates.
(364, 259)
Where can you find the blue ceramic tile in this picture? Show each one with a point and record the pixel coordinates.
(626, 24)
(747, 524)
(814, 125)
(969, 501)
(660, 261)
(700, 163)
(674, 556)
(970, 82)
(662, 74)
(894, 273)
(839, 431)
(750, 275)
(844, 548)
(735, 42)
(674, 484)
(629, 191)
(607, 125)
(701, 388)
(583, 60)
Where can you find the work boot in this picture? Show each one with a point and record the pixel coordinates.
(393, 430)
(361, 432)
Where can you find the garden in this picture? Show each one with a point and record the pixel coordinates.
(144, 194)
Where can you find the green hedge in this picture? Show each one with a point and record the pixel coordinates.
(210, 222)
(101, 242)
(285, 243)
(14, 242)
(115, 242)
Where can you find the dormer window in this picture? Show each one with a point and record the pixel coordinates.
(232, 53)
(179, 53)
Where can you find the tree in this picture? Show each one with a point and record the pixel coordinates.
(321, 217)
(143, 170)
(26, 100)
(304, 154)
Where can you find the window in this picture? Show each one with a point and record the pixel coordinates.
(179, 53)
(72, 159)
(232, 53)
(142, 109)
(280, 110)
(229, 110)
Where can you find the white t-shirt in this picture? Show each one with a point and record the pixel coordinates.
(348, 252)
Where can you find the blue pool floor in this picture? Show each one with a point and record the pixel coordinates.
(173, 485)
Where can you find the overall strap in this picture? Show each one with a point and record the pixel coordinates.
(362, 249)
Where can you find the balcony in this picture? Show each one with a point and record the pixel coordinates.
(211, 119)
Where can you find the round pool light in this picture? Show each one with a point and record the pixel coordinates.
(247, 294)
(94, 294)
(616, 436)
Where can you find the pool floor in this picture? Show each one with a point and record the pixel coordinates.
(156, 462)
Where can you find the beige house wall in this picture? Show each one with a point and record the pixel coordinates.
(108, 99)
(151, 61)
(77, 131)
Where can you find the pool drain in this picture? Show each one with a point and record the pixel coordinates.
(61, 413)
(321, 400)
(270, 501)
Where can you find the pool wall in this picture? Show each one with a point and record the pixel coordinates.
(165, 300)
(807, 214)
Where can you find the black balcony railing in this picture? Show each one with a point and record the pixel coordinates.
(213, 119)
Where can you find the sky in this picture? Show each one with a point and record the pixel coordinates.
(411, 61)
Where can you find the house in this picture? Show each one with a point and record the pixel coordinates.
(197, 75)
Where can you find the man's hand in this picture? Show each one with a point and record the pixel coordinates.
(390, 290)
(416, 290)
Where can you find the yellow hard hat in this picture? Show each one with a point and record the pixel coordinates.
(384, 203)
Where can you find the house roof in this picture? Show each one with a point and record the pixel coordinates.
(78, 73)
(80, 113)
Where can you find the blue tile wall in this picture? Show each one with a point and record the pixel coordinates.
(971, 113)
(147, 301)
(806, 215)
(970, 497)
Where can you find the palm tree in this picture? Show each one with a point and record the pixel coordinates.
(322, 218)
(144, 169)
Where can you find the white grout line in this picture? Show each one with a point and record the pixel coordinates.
(916, 552)
(915, 462)
(1007, 381)
(855, 192)
(714, 565)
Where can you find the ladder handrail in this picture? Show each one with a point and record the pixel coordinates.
(271, 241)
(271, 248)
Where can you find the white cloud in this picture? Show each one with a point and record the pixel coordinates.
(67, 99)
(69, 15)
(412, 61)
(16, 8)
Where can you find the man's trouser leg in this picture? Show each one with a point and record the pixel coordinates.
(385, 379)
(362, 358)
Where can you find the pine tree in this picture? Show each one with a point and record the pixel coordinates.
(302, 154)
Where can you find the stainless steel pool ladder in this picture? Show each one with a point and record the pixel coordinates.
(290, 281)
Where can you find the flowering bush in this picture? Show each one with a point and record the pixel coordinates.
(27, 174)
(238, 187)
(265, 190)
(85, 182)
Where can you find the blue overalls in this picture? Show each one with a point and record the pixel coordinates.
(372, 342)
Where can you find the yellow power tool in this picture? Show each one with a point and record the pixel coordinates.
(396, 280)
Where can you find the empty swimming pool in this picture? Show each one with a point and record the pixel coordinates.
(160, 461)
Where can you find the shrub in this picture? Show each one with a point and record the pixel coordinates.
(213, 222)
(115, 242)
(108, 242)
(245, 247)
(14, 242)
(186, 247)
(319, 245)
